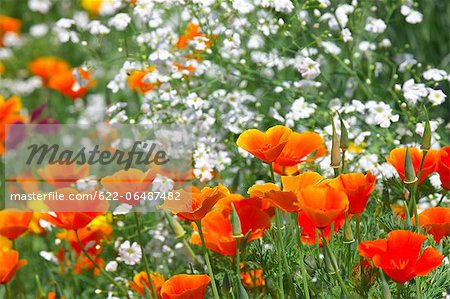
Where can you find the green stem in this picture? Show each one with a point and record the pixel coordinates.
(334, 264)
(144, 256)
(417, 281)
(208, 263)
(442, 198)
(302, 263)
(358, 235)
(272, 175)
(189, 248)
(7, 296)
(238, 260)
(414, 191)
(109, 277)
(343, 161)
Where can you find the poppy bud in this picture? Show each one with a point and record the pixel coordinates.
(410, 174)
(235, 224)
(176, 227)
(426, 138)
(344, 135)
(348, 233)
(335, 152)
(328, 264)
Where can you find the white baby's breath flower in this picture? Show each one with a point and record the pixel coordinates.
(413, 91)
(434, 74)
(120, 21)
(162, 184)
(111, 266)
(346, 35)
(375, 25)
(42, 6)
(436, 97)
(97, 28)
(129, 253)
(309, 68)
(412, 16)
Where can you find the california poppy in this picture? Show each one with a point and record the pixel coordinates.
(323, 204)
(93, 6)
(131, 181)
(443, 167)
(298, 147)
(136, 80)
(63, 175)
(47, 66)
(13, 223)
(67, 84)
(358, 188)
(9, 114)
(436, 221)
(399, 255)
(5, 244)
(184, 286)
(140, 283)
(265, 146)
(9, 264)
(84, 264)
(308, 234)
(193, 206)
(252, 278)
(192, 31)
(8, 24)
(397, 159)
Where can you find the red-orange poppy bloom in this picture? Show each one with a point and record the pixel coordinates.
(217, 228)
(308, 234)
(436, 221)
(136, 80)
(63, 175)
(252, 278)
(323, 204)
(66, 84)
(70, 220)
(193, 206)
(9, 114)
(443, 167)
(397, 159)
(83, 264)
(13, 223)
(265, 146)
(192, 31)
(9, 264)
(131, 181)
(46, 67)
(184, 286)
(8, 24)
(140, 283)
(399, 255)
(298, 147)
(358, 188)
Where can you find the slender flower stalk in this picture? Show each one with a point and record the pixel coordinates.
(208, 263)
(302, 263)
(144, 256)
(358, 236)
(334, 264)
(109, 277)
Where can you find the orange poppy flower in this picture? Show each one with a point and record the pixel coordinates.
(199, 203)
(83, 264)
(436, 221)
(93, 6)
(128, 181)
(285, 170)
(286, 200)
(184, 286)
(53, 295)
(70, 220)
(192, 31)
(140, 283)
(397, 159)
(358, 188)
(443, 167)
(63, 175)
(8, 24)
(265, 146)
(323, 204)
(13, 223)
(308, 234)
(5, 244)
(66, 84)
(9, 264)
(399, 255)
(9, 114)
(46, 67)
(136, 80)
(217, 229)
(298, 147)
(252, 278)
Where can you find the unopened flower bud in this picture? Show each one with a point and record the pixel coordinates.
(176, 227)
(343, 144)
(410, 174)
(335, 151)
(235, 224)
(426, 139)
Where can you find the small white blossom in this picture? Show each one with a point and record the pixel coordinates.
(130, 254)
(413, 91)
(111, 266)
(436, 97)
(162, 184)
(435, 74)
(375, 25)
(346, 35)
(309, 68)
(120, 21)
(97, 28)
